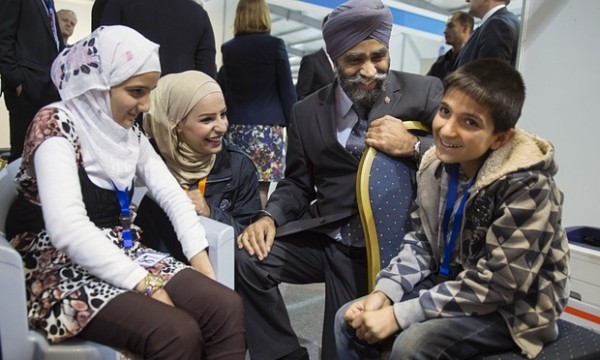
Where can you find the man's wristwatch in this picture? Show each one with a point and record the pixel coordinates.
(417, 148)
(152, 283)
(261, 214)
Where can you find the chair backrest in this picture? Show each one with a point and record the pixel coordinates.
(18, 342)
(8, 190)
(385, 189)
(14, 330)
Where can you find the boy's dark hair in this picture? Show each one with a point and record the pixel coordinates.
(493, 83)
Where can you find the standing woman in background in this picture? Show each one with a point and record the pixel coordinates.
(259, 91)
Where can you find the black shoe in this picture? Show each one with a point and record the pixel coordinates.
(299, 354)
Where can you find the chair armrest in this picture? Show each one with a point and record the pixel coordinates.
(221, 250)
(14, 330)
(220, 243)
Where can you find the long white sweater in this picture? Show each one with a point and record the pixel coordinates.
(72, 232)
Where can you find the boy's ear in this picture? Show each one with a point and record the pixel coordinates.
(502, 138)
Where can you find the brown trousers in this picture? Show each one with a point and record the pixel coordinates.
(207, 322)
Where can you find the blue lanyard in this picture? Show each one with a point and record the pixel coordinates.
(450, 201)
(125, 218)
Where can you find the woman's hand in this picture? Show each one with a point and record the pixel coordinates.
(160, 294)
(202, 264)
(199, 201)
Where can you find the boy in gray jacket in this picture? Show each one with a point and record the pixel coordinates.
(486, 268)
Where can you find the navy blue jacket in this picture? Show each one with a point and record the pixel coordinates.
(256, 80)
(231, 193)
(182, 28)
(497, 37)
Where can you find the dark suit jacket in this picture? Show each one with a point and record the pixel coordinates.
(97, 10)
(315, 72)
(497, 37)
(257, 80)
(319, 168)
(27, 49)
(182, 28)
(443, 65)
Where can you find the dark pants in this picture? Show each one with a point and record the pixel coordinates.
(207, 322)
(21, 112)
(302, 258)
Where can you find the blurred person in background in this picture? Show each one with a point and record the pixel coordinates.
(67, 19)
(182, 28)
(316, 71)
(29, 42)
(458, 29)
(259, 91)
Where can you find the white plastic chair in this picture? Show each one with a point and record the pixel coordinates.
(221, 245)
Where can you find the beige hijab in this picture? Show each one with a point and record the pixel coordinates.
(171, 101)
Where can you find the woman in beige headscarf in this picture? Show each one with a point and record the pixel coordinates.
(186, 123)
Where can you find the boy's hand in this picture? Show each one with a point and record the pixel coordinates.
(258, 237)
(378, 325)
(354, 311)
(373, 301)
(376, 301)
(389, 135)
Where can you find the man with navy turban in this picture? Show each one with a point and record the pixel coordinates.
(310, 229)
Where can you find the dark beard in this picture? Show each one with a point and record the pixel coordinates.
(366, 98)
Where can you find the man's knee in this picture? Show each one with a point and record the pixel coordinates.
(250, 272)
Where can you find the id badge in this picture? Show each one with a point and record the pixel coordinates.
(150, 259)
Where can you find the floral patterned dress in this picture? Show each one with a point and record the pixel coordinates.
(62, 296)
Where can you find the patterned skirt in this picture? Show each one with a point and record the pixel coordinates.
(62, 297)
(265, 144)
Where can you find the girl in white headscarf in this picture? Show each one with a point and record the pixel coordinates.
(187, 122)
(87, 274)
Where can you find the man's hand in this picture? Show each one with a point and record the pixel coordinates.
(389, 135)
(258, 237)
(200, 204)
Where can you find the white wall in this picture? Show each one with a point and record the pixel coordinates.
(559, 62)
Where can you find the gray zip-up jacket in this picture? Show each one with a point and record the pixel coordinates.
(512, 247)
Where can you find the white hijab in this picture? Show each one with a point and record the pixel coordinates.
(84, 74)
